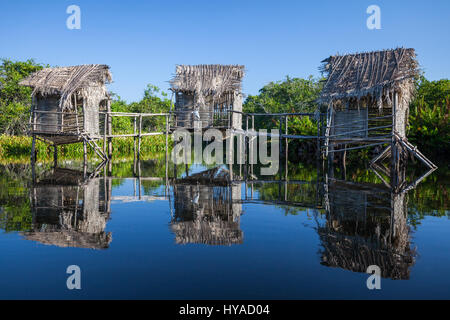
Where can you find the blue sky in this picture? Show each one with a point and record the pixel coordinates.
(142, 41)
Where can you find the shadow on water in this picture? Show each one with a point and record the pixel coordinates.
(359, 221)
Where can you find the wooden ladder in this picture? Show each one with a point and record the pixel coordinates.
(94, 146)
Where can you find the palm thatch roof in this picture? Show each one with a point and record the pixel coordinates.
(84, 80)
(377, 73)
(208, 80)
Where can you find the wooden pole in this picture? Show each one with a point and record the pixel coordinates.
(110, 147)
(105, 127)
(33, 144)
(167, 149)
(318, 136)
(84, 151)
(394, 146)
(33, 150)
(134, 138)
(286, 151)
(84, 140)
(139, 179)
(139, 139)
(76, 112)
(175, 164)
(280, 141)
(55, 156)
(246, 144)
(253, 145)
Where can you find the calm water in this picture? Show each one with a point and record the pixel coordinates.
(310, 237)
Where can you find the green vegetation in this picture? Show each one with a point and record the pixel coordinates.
(15, 100)
(429, 115)
(16, 148)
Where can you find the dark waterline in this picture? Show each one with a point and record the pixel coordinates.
(135, 238)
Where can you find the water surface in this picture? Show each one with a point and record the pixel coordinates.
(312, 236)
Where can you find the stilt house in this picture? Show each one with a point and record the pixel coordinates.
(67, 102)
(367, 97)
(206, 94)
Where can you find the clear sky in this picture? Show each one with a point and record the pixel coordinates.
(142, 41)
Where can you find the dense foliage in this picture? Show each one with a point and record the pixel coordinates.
(15, 100)
(153, 101)
(429, 115)
(290, 95)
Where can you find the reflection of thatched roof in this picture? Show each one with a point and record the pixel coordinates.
(366, 224)
(69, 211)
(215, 232)
(369, 73)
(62, 177)
(71, 238)
(64, 81)
(206, 213)
(218, 176)
(355, 253)
(205, 80)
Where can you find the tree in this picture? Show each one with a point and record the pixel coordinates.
(154, 101)
(429, 115)
(289, 95)
(15, 100)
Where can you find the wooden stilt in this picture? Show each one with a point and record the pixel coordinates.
(105, 127)
(33, 149)
(343, 162)
(85, 152)
(318, 136)
(167, 149)
(254, 150)
(134, 137)
(55, 156)
(280, 146)
(174, 164)
(286, 141)
(33, 158)
(394, 147)
(110, 147)
(139, 179)
(139, 137)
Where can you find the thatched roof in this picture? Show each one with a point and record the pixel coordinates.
(208, 80)
(64, 81)
(374, 73)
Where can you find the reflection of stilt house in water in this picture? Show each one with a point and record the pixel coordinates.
(67, 102)
(207, 212)
(366, 225)
(69, 211)
(368, 96)
(208, 93)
